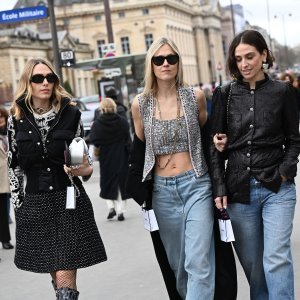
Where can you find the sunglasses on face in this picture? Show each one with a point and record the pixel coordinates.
(39, 78)
(172, 59)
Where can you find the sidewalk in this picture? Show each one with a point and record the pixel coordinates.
(131, 271)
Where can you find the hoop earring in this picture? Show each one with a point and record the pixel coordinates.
(265, 66)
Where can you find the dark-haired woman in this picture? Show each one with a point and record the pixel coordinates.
(50, 238)
(260, 118)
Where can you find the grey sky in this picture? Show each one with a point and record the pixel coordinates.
(255, 12)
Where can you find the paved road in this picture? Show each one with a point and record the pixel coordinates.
(131, 271)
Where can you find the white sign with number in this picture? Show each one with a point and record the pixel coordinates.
(67, 55)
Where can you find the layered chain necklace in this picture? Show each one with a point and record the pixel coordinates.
(165, 134)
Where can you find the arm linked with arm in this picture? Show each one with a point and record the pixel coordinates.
(288, 167)
(217, 159)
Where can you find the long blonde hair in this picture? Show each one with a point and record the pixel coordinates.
(24, 88)
(150, 83)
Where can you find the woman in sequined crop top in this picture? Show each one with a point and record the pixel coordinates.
(168, 116)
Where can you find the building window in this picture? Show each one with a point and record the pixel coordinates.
(121, 14)
(97, 17)
(145, 11)
(86, 88)
(224, 47)
(17, 68)
(99, 43)
(148, 40)
(125, 45)
(79, 87)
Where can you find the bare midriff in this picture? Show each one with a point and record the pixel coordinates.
(179, 163)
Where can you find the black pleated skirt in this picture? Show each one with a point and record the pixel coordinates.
(50, 237)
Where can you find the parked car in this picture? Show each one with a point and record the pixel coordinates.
(91, 102)
(7, 105)
(87, 116)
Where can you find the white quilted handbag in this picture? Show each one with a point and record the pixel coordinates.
(77, 149)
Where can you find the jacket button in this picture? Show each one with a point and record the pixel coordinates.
(48, 169)
(248, 168)
(50, 187)
(252, 92)
(38, 143)
(251, 126)
(249, 142)
(30, 131)
(21, 121)
(248, 154)
(251, 108)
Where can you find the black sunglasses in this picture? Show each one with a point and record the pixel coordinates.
(172, 59)
(39, 78)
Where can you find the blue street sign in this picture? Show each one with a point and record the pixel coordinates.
(23, 14)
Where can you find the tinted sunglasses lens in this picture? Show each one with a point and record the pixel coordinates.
(39, 78)
(172, 59)
(51, 78)
(158, 60)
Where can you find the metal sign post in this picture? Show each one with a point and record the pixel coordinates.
(67, 58)
(56, 57)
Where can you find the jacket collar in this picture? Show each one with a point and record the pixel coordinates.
(22, 104)
(258, 84)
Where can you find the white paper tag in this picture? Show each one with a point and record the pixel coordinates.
(71, 198)
(150, 222)
(226, 232)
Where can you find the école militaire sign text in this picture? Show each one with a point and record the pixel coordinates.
(23, 14)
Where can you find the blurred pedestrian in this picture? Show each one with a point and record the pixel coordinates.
(113, 93)
(208, 96)
(259, 117)
(4, 183)
(50, 237)
(110, 132)
(292, 80)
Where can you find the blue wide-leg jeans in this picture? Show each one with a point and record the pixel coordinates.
(262, 232)
(184, 210)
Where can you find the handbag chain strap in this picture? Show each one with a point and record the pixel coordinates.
(228, 102)
(75, 186)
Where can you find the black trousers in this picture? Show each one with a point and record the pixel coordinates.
(4, 226)
(226, 277)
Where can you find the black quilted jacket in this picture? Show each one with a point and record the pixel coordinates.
(263, 137)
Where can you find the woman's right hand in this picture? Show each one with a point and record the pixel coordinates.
(220, 140)
(221, 202)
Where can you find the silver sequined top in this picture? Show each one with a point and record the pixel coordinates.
(190, 110)
(169, 136)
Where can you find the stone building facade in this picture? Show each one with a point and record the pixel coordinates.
(194, 25)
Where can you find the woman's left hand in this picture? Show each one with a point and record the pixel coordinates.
(220, 140)
(84, 169)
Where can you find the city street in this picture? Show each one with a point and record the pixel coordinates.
(131, 271)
